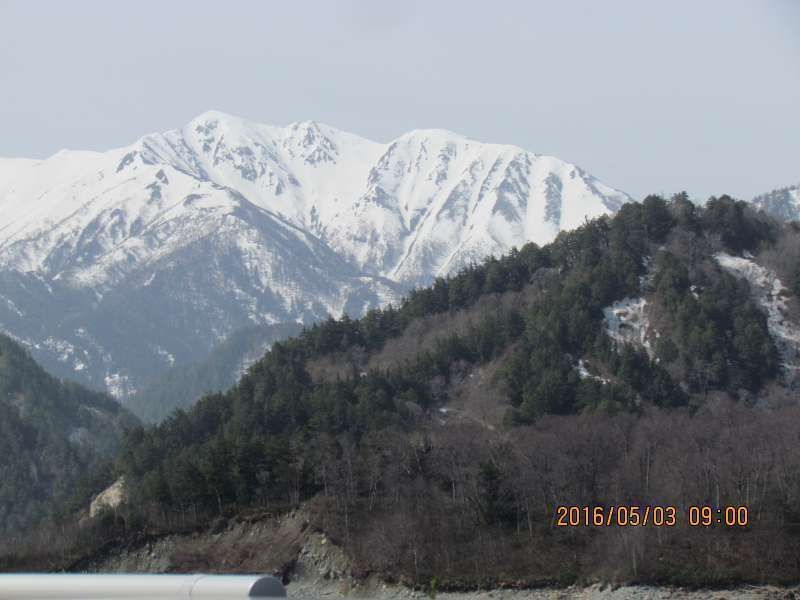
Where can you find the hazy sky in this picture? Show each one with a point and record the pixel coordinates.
(702, 95)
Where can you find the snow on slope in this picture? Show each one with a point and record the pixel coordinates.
(771, 294)
(782, 204)
(422, 205)
(185, 236)
(626, 322)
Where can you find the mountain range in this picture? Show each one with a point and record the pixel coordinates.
(116, 266)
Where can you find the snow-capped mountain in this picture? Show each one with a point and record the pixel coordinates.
(115, 265)
(782, 204)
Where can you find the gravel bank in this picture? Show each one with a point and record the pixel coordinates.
(315, 590)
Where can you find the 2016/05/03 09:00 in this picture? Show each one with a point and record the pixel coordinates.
(656, 516)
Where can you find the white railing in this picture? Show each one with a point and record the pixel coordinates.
(138, 587)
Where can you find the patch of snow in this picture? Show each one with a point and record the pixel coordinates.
(119, 385)
(13, 307)
(61, 348)
(167, 356)
(627, 323)
(771, 294)
(584, 373)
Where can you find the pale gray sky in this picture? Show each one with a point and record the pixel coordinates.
(702, 95)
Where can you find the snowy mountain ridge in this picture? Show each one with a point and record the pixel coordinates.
(185, 236)
(380, 206)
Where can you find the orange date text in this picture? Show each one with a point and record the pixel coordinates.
(655, 516)
(616, 516)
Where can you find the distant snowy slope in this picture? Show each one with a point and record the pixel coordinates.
(782, 204)
(117, 265)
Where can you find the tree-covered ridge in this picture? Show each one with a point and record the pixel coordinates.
(52, 433)
(716, 342)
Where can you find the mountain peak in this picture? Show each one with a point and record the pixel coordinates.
(215, 121)
(309, 125)
(433, 134)
(215, 115)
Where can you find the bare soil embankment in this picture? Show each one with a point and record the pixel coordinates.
(314, 567)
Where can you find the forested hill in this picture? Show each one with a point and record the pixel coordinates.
(655, 306)
(52, 433)
(648, 358)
